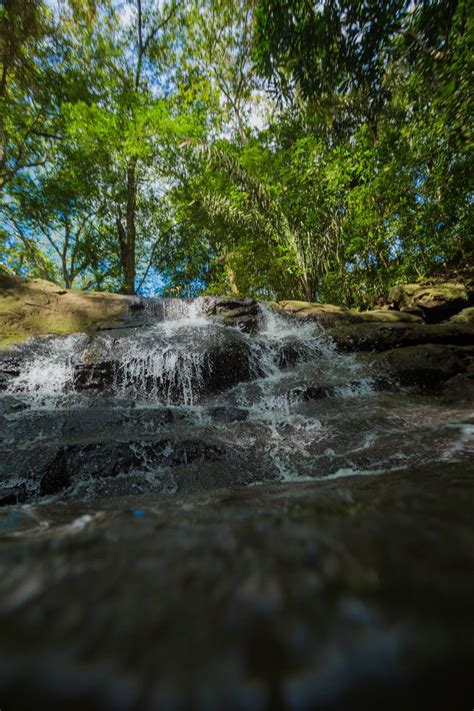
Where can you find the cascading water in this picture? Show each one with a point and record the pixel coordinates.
(138, 572)
(180, 399)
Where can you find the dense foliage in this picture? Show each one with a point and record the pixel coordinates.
(277, 148)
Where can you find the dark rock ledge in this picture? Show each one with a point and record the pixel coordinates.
(423, 335)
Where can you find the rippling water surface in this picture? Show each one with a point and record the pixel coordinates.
(179, 400)
(137, 573)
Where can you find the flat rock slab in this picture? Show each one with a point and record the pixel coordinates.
(350, 593)
(30, 307)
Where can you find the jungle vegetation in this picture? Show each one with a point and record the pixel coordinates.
(272, 148)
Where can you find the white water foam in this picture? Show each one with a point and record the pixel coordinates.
(167, 361)
(47, 375)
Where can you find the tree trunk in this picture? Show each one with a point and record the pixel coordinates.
(306, 290)
(127, 234)
(231, 277)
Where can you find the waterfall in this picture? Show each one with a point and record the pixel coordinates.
(169, 360)
(179, 394)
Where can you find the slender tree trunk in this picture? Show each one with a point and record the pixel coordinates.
(127, 231)
(127, 234)
(3, 135)
(231, 277)
(306, 288)
(34, 256)
(129, 270)
(64, 251)
(3, 155)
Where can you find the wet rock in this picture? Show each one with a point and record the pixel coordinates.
(459, 390)
(228, 413)
(223, 360)
(107, 421)
(12, 495)
(293, 351)
(101, 460)
(243, 313)
(229, 360)
(113, 325)
(136, 463)
(215, 305)
(57, 476)
(437, 301)
(312, 392)
(318, 392)
(464, 316)
(383, 336)
(9, 368)
(95, 376)
(284, 596)
(466, 354)
(425, 365)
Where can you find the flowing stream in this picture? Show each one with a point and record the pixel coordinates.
(183, 526)
(179, 400)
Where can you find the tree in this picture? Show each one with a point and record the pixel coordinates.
(60, 207)
(54, 61)
(218, 50)
(338, 54)
(134, 151)
(23, 135)
(129, 130)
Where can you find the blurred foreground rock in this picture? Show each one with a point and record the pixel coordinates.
(354, 593)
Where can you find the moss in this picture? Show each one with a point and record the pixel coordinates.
(32, 307)
(298, 306)
(294, 306)
(11, 339)
(442, 299)
(464, 316)
(388, 316)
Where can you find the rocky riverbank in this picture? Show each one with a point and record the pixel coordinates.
(34, 307)
(178, 396)
(423, 335)
(200, 516)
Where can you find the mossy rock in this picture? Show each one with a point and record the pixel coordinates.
(464, 316)
(380, 336)
(326, 315)
(329, 315)
(32, 307)
(388, 316)
(296, 307)
(426, 364)
(437, 301)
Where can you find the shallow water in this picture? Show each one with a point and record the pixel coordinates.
(179, 401)
(137, 573)
(354, 593)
